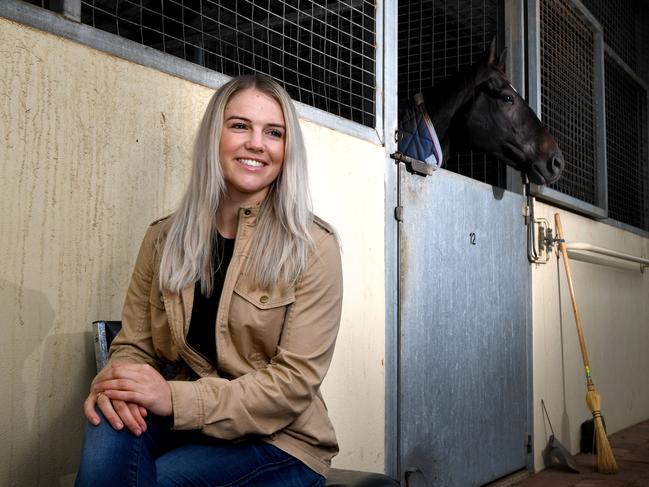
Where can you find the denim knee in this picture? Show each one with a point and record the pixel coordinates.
(117, 457)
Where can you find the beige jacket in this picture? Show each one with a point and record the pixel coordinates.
(273, 347)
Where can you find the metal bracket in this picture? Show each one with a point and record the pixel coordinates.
(414, 165)
(545, 238)
(540, 241)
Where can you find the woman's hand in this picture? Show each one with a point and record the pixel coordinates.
(138, 384)
(117, 413)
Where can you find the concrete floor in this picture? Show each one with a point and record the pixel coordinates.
(631, 450)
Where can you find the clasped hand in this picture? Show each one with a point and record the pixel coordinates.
(125, 393)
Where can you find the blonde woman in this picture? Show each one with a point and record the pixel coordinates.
(230, 319)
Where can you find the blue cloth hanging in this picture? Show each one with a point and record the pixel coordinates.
(418, 139)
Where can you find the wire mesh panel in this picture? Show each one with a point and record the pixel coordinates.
(568, 95)
(436, 39)
(618, 22)
(625, 34)
(626, 139)
(642, 38)
(322, 52)
(570, 104)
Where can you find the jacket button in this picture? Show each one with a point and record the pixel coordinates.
(263, 299)
(247, 212)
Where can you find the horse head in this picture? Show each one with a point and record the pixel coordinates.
(488, 114)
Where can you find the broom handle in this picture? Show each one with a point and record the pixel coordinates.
(580, 331)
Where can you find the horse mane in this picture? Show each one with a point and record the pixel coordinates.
(444, 100)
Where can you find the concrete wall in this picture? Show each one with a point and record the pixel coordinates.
(614, 307)
(92, 149)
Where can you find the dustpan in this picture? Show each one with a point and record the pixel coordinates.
(558, 454)
(555, 454)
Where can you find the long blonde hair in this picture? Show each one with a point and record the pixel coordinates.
(281, 241)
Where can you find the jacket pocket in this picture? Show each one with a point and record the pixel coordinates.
(264, 299)
(256, 317)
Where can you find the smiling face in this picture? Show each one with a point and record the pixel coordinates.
(251, 149)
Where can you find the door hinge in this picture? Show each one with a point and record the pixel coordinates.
(398, 213)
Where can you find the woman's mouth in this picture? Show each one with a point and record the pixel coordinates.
(250, 162)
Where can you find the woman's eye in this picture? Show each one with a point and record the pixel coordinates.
(275, 133)
(238, 125)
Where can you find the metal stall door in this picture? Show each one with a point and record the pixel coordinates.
(465, 339)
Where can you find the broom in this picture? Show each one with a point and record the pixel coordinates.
(605, 460)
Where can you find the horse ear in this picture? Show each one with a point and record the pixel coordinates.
(492, 57)
(502, 58)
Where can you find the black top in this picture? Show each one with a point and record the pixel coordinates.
(202, 328)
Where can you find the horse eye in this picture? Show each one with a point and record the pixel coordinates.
(508, 99)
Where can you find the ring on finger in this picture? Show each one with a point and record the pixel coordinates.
(99, 394)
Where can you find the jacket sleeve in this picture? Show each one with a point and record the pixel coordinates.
(269, 399)
(133, 343)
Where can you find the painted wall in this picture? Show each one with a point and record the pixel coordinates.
(92, 149)
(614, 307)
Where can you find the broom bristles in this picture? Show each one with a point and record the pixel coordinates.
(605, 460)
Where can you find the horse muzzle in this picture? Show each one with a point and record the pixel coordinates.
(546, 170)
(554, 167)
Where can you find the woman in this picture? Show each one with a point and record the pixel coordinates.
(230, 319)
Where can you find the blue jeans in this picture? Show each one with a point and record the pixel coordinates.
(165, 458)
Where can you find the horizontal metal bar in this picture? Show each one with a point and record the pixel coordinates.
(625, 67)
(608, 252)
(551, 195)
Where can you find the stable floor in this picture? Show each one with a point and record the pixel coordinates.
(631, 450)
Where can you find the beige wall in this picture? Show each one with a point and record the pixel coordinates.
(614, 307)
(92, 149)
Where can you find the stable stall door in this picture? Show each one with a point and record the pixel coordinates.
(465, 331)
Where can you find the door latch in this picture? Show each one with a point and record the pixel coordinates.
(414, 166)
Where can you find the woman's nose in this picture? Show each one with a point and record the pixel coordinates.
(255, 141)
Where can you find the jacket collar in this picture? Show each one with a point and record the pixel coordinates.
(245, 226)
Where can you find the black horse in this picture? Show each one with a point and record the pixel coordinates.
(479, 109)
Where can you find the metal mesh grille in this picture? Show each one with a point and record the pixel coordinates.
(618, 23)
(436, 39)
(626, 147)
(641, 22)
(322, 52)
(567, 95)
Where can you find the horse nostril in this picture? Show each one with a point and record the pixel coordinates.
(557, 163)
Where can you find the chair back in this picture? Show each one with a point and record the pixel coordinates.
(104, 332)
